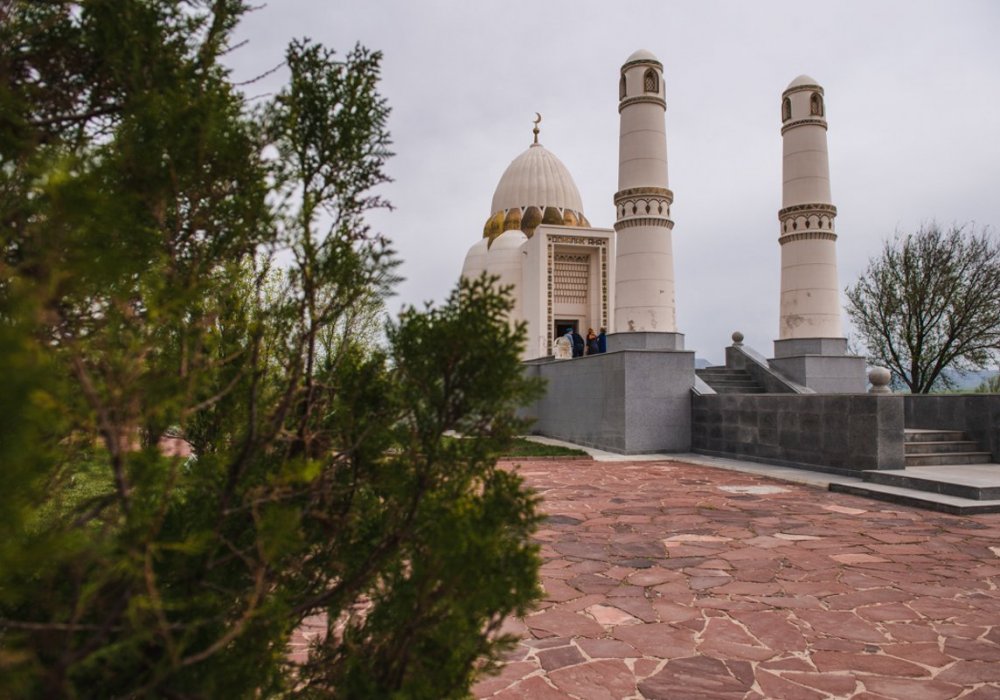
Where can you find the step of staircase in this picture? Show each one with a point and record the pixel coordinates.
(918, 435)
(952, 470)
(931, 448)
(941, 502)
(980, 482)
(936, 459)
(729, 381)
(727, 378)
(941, 447)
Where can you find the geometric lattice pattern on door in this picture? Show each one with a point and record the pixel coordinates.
(572, 274)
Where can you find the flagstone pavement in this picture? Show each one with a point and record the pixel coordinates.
(672, 580)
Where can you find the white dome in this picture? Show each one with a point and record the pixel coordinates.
(475, 259)
(505, 260)
(506, 241)
(642, 55)
(801, 80)
(536, 178)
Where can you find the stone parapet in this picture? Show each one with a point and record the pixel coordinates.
(645, 340)
(627, 401)
(840, 434)
(790, 347)
(824, 374)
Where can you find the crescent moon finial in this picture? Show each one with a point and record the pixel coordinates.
(537, 120)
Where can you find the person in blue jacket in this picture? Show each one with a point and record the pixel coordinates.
(602, 341)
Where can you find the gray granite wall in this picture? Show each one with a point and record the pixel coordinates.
(833, 433)
(976, 414)
(630, 401)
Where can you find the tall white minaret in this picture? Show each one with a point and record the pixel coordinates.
(810, 296)
(644, 286)
(811, 348)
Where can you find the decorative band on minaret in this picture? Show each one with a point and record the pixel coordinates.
(810, 295)
(644, 287)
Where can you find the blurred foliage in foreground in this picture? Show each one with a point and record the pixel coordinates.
(143, 203)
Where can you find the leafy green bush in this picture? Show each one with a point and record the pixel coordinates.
(144, 204)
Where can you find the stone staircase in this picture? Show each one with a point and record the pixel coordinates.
(729, 381)
(932, 448)
(945, 471)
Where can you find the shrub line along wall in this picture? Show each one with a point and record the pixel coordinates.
(838, 433)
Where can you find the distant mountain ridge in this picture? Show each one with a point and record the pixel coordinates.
(965, 381)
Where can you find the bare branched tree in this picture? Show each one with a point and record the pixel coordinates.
(930, 301)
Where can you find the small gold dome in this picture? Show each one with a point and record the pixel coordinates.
(494, 225)
(569, 218)
(552, 216)
(512, 220)
(530, 219)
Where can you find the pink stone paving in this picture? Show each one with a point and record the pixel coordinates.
(669, 580)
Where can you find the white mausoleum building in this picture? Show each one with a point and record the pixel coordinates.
(567, 274)
(538, 240)
(637, 393)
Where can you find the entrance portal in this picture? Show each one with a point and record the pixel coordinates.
(563, 325)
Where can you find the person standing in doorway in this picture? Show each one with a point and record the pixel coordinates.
(568, 337)
(564, 347)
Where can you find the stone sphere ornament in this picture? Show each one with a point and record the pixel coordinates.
(737, 338)
(879, 378)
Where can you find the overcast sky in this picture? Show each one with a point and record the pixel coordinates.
(912, 101)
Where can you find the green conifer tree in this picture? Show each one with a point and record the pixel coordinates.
(142, 208)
